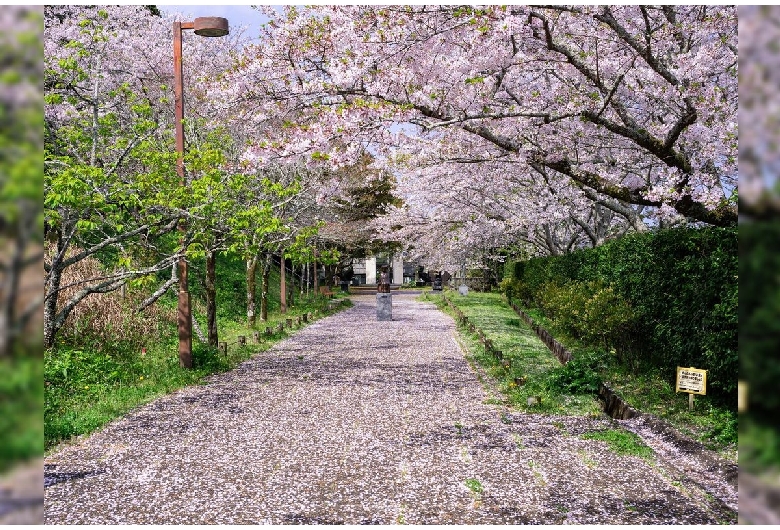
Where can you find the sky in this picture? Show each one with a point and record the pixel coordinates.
(237, 15)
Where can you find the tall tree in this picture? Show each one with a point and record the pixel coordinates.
(20, 174)
(630, 108)
(110, 190)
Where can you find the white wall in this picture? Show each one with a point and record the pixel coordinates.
(398, 269)
(371, 271)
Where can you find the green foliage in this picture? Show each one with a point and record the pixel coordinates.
(621, 442)
(759, 445)
(591, 311)
(21, 116)
(21, 229)
(665, 298)
(474, 485)
(21, 405)
(759, 316)
(581, 375)
(570, 389)
(532, 368)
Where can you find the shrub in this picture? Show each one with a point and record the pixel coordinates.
(607, 317)
(579, 376)
(514, 289)
(108, 318)
(665, 298)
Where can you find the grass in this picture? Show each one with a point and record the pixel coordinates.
(621, 442)
(571, 389)
(474, 485)
(91, 381)
(21, 406)
(712, 423)
(531, 363)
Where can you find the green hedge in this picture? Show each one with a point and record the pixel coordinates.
(759, 315)
(673, 293)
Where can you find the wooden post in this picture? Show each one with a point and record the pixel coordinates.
(268, 330)
(242, 340)
(256, 336)
(281, 327)
(690, 401)
(305, 317)
(289, 322)
(223, 347)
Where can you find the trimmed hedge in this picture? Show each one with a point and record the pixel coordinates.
(759, 315)
(672, 292)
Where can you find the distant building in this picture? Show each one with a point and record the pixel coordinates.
(401, 272)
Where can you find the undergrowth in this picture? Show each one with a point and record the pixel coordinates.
(103, 366)
(21, 403)
(533, 371)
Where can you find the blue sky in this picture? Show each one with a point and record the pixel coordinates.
(237, 15)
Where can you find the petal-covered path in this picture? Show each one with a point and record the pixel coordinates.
(357, 421)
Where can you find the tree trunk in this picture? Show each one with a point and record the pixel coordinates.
(211, 298)
(291, 290)
(51, 291)
(264, 288)
(316, 279)
(9, 290)
(251, 282)
(282, 285)
(327, 276)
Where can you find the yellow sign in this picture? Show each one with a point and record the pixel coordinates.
(691, 380)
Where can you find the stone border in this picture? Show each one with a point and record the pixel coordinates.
(489, 346)
(559, 350)
(613, 405)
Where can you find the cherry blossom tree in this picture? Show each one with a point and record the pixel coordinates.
(759, 155)
(579, 110)
(110, 189)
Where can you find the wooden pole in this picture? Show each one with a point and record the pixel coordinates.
(184, 311)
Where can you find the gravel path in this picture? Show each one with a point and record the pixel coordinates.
(355, 421)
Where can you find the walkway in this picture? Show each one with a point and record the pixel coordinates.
(355, 421)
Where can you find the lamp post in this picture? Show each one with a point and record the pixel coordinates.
(205, 27)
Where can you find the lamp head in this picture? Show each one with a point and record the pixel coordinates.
(211, 26)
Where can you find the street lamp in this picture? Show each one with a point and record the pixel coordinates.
(205, 27)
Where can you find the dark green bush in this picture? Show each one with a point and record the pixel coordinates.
(759, 316)
(578, 376)
(665, 298)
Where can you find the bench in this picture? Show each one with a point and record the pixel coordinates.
(325, 291)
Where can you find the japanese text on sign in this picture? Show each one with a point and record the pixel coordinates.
(692, 380)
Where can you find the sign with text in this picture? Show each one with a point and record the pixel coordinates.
(691, 380)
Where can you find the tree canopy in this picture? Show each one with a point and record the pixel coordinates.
(528, 119)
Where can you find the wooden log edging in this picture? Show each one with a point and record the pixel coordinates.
(614, 405)
(559, 350)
